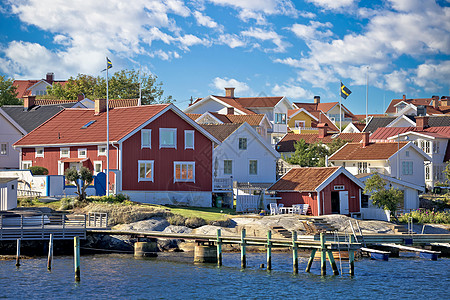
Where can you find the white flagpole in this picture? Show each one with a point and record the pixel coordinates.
(340, 107)
(140, 91)
(107, 130)
(367, 93)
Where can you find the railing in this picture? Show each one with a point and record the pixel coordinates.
(223, 184)
(28, 193)
(98, 220)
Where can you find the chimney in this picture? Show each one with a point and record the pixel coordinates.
(421, 122)
(100, 106)
(230, 110)
(365, 139)
(322, 130)
(444, 101)
(50, 78)
(404, 97)
(229, 92)
(316, 99)
(435, 101)
(28, 102)
(80, 97)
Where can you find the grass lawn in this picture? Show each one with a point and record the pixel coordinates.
(207, 213)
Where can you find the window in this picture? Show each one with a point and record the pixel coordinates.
(145, 170)
(280, 118)
(435, 147)
(88, 124)
(189, 139)
(12, 186)
(407, 167)
(362, 167)
(98, 167)
(339, 187)
(184, 171)
(427, 172)
(427, 147)
(26, 164)
(64, 152)
(242, 143)
(82, 153)
(39, 152)
(364, 201)
(299, 124)
(3, 149)
(101, 150)
(228, 167)
(168, 138)
(253, 167)
(407, 153)
(146, 138)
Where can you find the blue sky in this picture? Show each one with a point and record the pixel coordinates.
(196, 48)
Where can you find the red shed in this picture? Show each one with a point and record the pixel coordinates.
(327, 190)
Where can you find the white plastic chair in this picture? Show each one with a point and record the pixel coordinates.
(274, 209)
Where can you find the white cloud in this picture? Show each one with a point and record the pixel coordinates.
(206, 21)
(311, 32)
(269, 7)
(397, 81)
(291, 91)
(231, 40)
(332, 4)
(241, 88)
(432, 76)
(164, 55)
(296, 63)
(266, 35)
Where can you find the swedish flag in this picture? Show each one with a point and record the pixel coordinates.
(345, 92)
(108, 64)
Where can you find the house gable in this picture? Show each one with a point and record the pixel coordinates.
(402, 121)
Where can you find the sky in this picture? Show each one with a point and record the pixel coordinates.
(298, 49)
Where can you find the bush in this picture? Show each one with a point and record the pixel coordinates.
(119, 198)
(24, 202)
(71, 203)
(176, 220)
(194, 222)
(424, 216)
(37, 170)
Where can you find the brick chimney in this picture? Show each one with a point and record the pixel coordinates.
(421, 122)
(229, 92)
(50, 78)
(100, 106)
(28, 102)
(230, 110)
(80, 97)
(404, 97)
(435, 101)
(444, 101)
(316, 99)
(322, 130)
(365, 139)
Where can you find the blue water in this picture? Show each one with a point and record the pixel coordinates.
(174, 276)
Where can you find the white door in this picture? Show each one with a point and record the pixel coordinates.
(343, 202)
(60, 168)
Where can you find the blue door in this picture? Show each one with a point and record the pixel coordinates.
(100, 184)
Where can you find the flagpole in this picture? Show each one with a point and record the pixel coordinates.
(340, 108)
(367, 93)
(140, 90)
(107, 130)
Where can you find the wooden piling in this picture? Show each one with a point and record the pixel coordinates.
(311, 259)
(269, 250)
(351, 258)
(219, 248)
(76, 262)
(323, 258)
(294, 252)
(18, 253)
(243, 256)
(50, 253)
(333, 263)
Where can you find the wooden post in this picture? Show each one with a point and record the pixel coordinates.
(243, 258)
(219, 248)
(311, 259)
(351, 258)
(18, 254)
(42, 226)
(50, 253)
(269, 250)
(76, 262)
(333, 263)
(323, 258)
(294, 252)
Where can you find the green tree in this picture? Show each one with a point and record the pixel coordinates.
(308, 155)
(123, 84)
(8, 93)
(388, 199)
(335, 145)
(447, 173)
(72, 174)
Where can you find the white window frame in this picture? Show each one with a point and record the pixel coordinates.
(407, 167)
(427, 172)
(231, 163)
(298, 123)
(166, 145)
(26, 163)
(183, 163)
(149, 145)
(100, 153)
(186, 133)
(38, 154)
(152, 162)
(249, 167)
(362, 167)
(61, 155)
(239, 143)
(98, 162)
(80, 155)
(280, 118)
(339, 187)
(5, 152)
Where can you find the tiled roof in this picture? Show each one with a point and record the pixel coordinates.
(420, 101)
(34, 117)
(373, 151)
(384, 133)
(362, 117)
(377, 122)
(235, 104)
(194, 116)
(122, 102)
(259, 101)
(325, 107)
(221, 131)
(65, 127)
(252, 120)
(53, 101)
(24, 85)
(359, 126)
(288, 141)
(303, 179)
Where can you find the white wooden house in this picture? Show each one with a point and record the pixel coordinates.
(8, 193)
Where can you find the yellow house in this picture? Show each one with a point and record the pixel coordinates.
(302, 121)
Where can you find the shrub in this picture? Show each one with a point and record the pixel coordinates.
(424, 216)
(119, 198)
(37, 170)
(194, 222)
(24, 202)
(176, 220)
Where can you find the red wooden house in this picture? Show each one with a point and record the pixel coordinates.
(327, 190)
(157, 154)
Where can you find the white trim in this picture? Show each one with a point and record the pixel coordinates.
(149, 138)
(61, 155)
(401, 117)
(339, 171)
(26, 162)
(6, 149)
(305, 111)
(120, 165)
(63, 145)
(81, 155)
(167, 145)
(96, 162)
(249, 160)
(36, 152)
(11, 120)
(210, 97)
(98, 150)
(209, 115)
(187, 163)
(224, 167)
(37, 83)
(152, 162)
(239, 143)
(193, 139)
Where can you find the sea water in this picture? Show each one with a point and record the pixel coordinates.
(175, 276)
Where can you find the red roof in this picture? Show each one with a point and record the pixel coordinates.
(294, 180)
(66, 126)
(420, 101)
(23, 86)
(383, 133)
(373, 151)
